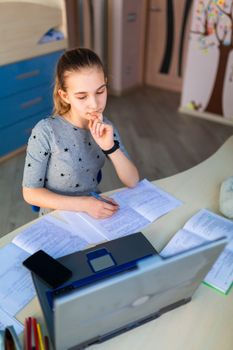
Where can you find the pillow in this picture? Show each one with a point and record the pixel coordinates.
(226, 198)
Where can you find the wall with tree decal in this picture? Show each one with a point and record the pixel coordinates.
(208, 80)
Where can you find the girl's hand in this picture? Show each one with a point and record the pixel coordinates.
(102, 133)
(98, 209)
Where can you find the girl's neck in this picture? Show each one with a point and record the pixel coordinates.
(76, 121)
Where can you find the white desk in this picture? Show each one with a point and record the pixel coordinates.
(205, 323)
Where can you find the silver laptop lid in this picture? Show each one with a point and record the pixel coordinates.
(104, 309)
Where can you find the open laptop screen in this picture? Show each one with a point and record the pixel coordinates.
(104, 309)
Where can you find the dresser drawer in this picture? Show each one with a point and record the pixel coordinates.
(17, 135)
(24, 75)
(17, 107)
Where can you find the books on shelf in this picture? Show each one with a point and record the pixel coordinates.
(206, 226)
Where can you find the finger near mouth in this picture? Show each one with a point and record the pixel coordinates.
(93, 116)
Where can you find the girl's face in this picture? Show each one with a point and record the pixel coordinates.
(86, 92)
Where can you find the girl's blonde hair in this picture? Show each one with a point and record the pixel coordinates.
(71, 61)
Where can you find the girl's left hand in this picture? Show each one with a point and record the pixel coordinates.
(102, 133)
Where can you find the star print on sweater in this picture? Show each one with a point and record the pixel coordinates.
(63, 158)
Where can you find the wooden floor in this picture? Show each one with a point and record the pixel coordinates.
(160, 141)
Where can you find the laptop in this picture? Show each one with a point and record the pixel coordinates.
(106, 308)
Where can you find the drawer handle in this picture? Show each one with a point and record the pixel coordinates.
(31, 102)
(27, 75)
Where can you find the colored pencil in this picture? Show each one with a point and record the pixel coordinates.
(40, 337)
(29, 333)
(36, 336)
(46, 341)
(25, 337)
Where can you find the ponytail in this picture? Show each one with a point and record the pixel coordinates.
(60, 107)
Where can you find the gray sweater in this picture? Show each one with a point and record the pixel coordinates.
(64, 158)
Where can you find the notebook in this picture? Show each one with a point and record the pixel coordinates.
(104, 309)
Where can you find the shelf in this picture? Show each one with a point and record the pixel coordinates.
(20, 34)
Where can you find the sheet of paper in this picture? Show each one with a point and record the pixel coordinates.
(139, 206)
(202, 227)
(221, 274)
(147, 199)
(16, 287)
(181, 241)
(78, 225)
(210, 225)
(124, 222)
(51, 235)
(8, 320)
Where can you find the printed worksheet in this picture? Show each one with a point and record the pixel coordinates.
(206, 226)
(148, 200)
(16, 288)
(51, 235)
(221, 274)
(138, 207)
(201, 227)
(124, 222)
(7, 320)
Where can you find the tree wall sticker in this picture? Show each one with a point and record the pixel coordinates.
(213, 26)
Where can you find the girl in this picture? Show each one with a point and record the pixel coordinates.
(66, 152)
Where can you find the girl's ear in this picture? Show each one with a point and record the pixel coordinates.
(63, 95)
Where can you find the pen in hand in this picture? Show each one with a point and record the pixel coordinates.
(102, 199)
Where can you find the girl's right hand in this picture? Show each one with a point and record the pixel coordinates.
(101, 132)
(99, 209)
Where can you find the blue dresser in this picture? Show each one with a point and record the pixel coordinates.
(25, 97)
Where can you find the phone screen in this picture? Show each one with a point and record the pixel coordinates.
(48, 269)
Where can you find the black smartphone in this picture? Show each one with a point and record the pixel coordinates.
(47, 268)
